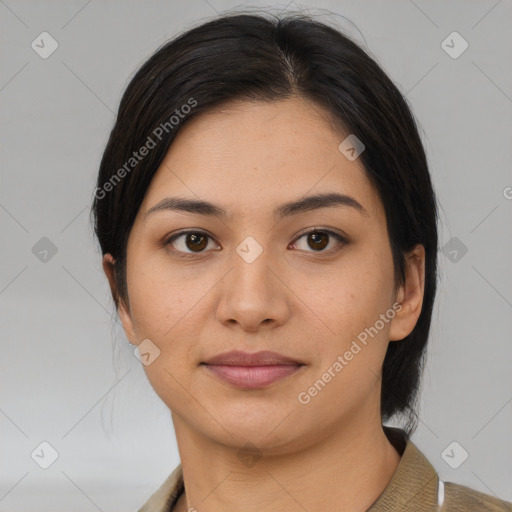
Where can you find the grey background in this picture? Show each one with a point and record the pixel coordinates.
(69, 378)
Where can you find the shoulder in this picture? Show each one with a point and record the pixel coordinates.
(464, 499)
(167, 494)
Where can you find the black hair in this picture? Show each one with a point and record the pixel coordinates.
(262, 57)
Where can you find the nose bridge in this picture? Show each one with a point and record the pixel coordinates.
(252, 276)
(252, 294)
(252, 268)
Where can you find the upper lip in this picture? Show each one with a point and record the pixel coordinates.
(240, 358)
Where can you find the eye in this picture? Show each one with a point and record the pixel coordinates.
(192, 242)
(318, 239)
(195, 241)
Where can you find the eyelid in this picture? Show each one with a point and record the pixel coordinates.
(341, 237)
(168, 240)
(323, 229)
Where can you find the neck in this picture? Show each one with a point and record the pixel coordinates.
(350, 468)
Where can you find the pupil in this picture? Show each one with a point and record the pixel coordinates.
(195, 243)
(315, 237)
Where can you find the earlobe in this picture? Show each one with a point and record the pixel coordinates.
(109, 269)
(410, 295)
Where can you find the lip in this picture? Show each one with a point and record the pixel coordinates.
(252, 371)
(262, 358)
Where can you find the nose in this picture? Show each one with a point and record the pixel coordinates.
(254, 296)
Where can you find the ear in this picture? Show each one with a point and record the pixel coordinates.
(409, 295)
(122, 310)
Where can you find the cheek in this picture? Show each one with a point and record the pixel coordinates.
(351, 302)
(358, 290)
(155, 298)
(166, 312)
(350, 307)
(168, 308)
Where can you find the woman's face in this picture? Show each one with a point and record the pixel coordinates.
(256, 279)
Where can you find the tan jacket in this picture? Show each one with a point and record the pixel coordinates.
(415, 487)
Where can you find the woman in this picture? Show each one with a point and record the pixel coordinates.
(269, 232)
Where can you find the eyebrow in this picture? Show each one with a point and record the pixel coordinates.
(305, 204)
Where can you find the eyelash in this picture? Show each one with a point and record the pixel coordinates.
(340, 238)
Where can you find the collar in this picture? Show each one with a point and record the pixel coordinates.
(414, 481)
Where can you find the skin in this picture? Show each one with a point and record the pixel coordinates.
(293, 299)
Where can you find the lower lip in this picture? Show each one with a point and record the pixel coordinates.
(253, 377)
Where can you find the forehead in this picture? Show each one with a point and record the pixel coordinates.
(248, 157)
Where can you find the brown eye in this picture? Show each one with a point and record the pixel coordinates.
(319, 239)
(194, 241)
(188, 242)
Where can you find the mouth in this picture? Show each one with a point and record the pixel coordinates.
(252, 371)
(253, 377)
